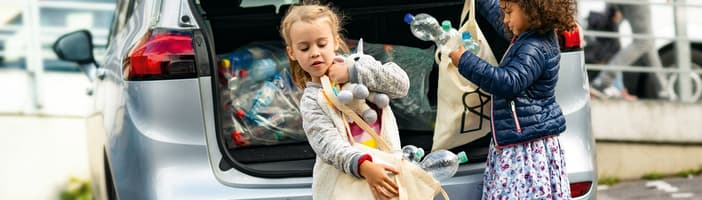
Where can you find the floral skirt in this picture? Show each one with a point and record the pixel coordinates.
(532, 170)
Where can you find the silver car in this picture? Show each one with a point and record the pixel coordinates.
(158, 131)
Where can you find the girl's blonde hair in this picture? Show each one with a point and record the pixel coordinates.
(308, 13)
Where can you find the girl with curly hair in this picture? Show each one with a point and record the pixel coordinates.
(525, 160)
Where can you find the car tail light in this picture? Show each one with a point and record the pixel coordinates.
(579, 188)
(571, 40)
(161, 54)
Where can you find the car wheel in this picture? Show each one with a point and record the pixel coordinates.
(645, 85)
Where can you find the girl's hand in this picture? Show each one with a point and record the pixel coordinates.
(338, 71)
(456, 55)
(380, 183)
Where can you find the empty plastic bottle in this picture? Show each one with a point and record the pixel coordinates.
(427, 28)
(253, 64)
(451, 36)
(265, 135)
(243, 58)
(263, 99)
(424, 26)
(469, 43)
(443, 164)
(412, 153)
(262, 69)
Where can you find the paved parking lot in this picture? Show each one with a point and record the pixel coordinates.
(669, 188)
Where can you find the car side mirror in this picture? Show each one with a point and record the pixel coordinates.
(77, 47)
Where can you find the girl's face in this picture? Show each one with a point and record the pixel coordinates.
(515, 18)
(313, 45)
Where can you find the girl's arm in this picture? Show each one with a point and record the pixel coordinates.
(386, 78)
(509, 79)
(325, 139)
(490, 9)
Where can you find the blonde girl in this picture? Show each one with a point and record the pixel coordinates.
(312, 37)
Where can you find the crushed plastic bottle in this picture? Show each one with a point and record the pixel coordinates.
(263, 98)
(427, 28)
(469, 43)
(412, 153)
(252, 64)
(443, 164)
(262, 69)
(261, 102)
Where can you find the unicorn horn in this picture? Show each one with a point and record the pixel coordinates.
(359, 47)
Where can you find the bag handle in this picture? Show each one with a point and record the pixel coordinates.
(334, 102)
(468, 9)
(468, 5)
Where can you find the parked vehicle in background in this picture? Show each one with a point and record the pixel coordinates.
(159, 125)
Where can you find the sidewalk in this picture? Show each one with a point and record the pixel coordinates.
(39, 154)
(41, 148)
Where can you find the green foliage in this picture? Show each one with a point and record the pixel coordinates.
(653, 176)
(77, 189)
(686, 173)
(690, 172)
(608, 181)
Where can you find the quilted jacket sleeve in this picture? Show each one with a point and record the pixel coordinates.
(490, 9)
(511, 77)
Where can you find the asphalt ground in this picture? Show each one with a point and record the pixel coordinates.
(663, 189)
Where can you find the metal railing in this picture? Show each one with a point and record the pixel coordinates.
(681, 83)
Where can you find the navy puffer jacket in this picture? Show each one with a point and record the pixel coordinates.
(523, 86)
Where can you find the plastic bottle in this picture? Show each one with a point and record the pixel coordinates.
(253, 64)
(243, 58)
(424, 26)
(265, 135)
(262, 69)
(443, 164)
(263, 98)
(451, 35)
(412, 153)
(469, 43)
(427, 28)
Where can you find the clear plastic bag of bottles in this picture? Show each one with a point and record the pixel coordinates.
(413, 112)
(262, 103)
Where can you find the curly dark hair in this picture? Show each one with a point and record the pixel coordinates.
(549, 15)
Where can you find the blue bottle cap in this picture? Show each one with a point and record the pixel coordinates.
(466, 36)
(409, 18)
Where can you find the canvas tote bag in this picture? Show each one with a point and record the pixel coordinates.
(412, 181)
(463, 109)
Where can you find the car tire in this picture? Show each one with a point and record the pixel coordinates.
(645, 85)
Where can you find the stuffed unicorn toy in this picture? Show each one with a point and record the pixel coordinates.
(355, 94)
